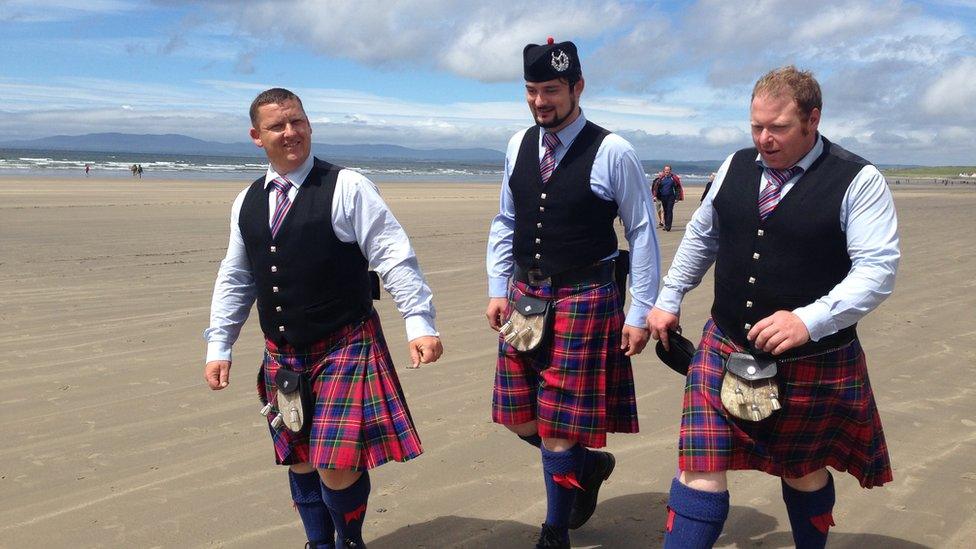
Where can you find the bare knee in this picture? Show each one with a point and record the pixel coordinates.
(526, 429)
(808, 483)
(339, 479)
(558, 444)
(301, 468)
(706, 482)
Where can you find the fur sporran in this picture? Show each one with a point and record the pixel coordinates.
(749, 388)
(528, 324)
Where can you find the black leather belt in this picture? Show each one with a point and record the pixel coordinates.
(598, 273)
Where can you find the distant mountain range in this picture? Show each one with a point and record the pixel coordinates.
(176, 144)
(182, 144)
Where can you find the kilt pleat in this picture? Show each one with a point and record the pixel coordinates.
(829, 418)
(361, 419)
(578, 384)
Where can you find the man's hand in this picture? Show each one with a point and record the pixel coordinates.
(659, 322)
(496, 308)
(633, 339)
(424, 350)
(779, 332)
(217, 374)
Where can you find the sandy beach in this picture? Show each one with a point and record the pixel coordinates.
(111, 438)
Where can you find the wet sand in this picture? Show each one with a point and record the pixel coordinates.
(112, 439)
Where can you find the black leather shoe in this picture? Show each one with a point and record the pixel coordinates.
(585, 502)
(549, 539)
(350, 544)
(319, 545)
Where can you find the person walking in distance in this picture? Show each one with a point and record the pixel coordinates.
(667, 189)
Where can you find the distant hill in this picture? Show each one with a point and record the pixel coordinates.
(948, 172)
(682, 167)
(705, 167)
(182, 144)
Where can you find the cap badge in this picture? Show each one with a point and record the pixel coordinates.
(560, 62)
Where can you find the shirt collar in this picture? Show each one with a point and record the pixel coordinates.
(568, 134)
(807, 160)
(296, 176)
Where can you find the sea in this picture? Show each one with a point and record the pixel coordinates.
(66, 164)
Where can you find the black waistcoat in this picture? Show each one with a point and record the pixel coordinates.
(797, 255)
(309, 282)
(561, 225)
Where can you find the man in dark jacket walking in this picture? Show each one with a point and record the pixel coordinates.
(666, 187)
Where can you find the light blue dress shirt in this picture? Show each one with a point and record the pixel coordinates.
(359, 215)
(867, 218)
(617, 175)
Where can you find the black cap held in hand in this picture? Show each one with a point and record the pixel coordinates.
(679, 356)
(551, 61)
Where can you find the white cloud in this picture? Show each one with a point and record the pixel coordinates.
(953, 94)
(489, 43)
(48, 11)
(897, 75)
(843, 21)
(640, 107)
(725, 136)
(970, 4)
(478, 41)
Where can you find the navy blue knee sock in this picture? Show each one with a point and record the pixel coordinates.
(307, 495)
(810, 514)
(588, 461)
(695, 517)
(561, 471)
(348, 508)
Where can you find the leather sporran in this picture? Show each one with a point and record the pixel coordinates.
(528, 324)
(295, 403)
(749, 387)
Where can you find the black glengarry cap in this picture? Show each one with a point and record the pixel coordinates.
(550, 61)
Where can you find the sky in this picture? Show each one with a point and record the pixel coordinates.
(674, 78)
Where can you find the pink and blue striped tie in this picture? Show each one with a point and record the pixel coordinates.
(281, 186)
(548, 163)
(775, 179)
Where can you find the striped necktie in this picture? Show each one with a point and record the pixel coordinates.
(775, 179)
(548, 163)
(281, 186)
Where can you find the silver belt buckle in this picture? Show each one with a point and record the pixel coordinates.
(536, 279)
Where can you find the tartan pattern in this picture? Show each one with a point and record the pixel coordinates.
(829, 417)
(578, 384)
(361, 417)
(548, 163)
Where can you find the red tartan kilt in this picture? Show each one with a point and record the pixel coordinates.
(577, 385)
(361, 418)
(828, 418)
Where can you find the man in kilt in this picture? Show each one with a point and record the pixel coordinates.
(565, 181)
(804, 239)
(302, 239)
